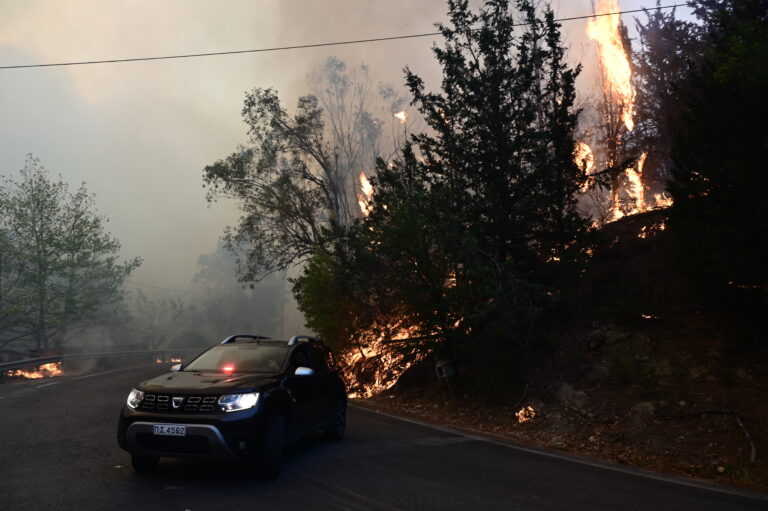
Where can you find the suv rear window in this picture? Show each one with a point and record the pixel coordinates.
(240, 358)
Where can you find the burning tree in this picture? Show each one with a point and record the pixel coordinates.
(470, 233)
(618, 155)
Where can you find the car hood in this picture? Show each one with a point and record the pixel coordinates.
(206, 382)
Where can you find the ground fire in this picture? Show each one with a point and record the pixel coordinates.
(42, 371)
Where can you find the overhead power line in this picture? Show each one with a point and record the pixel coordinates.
(303, 46)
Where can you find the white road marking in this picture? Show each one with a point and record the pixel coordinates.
(640, 472)
(47, 384)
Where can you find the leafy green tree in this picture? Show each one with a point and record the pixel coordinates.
(12, 266)
(667, 48)
(503, 131)
(298, 174)
(68, 265)
(720, 149)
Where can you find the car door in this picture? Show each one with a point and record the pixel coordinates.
(305, 391)
(325, 382)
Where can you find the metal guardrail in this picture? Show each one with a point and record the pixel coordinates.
(36, 362)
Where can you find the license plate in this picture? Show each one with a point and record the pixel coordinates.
(169, 429)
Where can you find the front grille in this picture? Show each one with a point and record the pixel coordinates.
(167, 402)
(193, 444)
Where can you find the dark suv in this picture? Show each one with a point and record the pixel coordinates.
(243, 399)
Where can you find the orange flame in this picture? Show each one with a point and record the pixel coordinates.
(614, 64)
(365, 199)
(43, 371)
(636, 191)
(402, 116)
(389, 365)
(526, 413)
(585, 159)
(175, 360)
(662, 200)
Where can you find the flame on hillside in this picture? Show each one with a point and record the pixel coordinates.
(42, 371)
(376, 366)
(635, 190)
(526, 413)
(402, 116)
(662, 200)
(585, 159)
(365, 199)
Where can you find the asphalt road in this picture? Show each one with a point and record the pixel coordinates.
(58, 452)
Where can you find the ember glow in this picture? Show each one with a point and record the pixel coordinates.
(650, 230)
(175, 360)
(365, 198)
(614, 63)
(402, 116)
(526, 413)
(42, 371)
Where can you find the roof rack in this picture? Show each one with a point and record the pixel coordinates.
(298, 338)
(234, 338)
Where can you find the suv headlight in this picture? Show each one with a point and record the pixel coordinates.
(235, 402)
(134, 398)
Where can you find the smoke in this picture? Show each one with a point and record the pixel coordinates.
(139, 134)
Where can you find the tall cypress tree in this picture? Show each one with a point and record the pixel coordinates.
(478, 219)
(502, 131)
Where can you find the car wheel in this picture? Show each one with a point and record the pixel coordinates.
(272, 451)
(338, 423)
(144, 464)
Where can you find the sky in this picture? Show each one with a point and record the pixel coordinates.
(139, 134)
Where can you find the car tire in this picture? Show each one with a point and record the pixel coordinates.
(144, 464)
(272, 451)
(337, 424)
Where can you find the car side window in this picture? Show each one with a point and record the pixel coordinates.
(319, 362)
(299, 358)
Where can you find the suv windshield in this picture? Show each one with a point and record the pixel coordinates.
(240, 358)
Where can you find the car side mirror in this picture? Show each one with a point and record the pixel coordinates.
(304, 371)
(176, 367)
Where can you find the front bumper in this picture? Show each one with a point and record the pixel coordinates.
(237, 435)
(201, 440)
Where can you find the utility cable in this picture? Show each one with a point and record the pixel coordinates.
(305, 46)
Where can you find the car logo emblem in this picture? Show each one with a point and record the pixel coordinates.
(177, 402)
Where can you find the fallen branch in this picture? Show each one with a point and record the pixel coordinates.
(753, 449)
